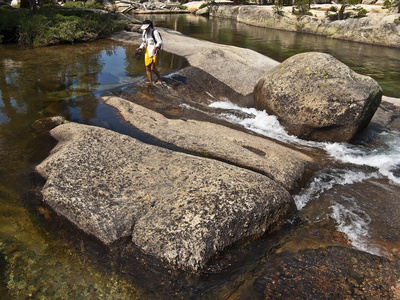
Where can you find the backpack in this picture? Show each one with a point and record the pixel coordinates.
(154, 38)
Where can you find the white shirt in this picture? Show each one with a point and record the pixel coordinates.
(150, 42)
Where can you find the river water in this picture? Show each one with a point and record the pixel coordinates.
(348, 214)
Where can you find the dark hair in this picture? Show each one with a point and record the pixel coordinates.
(148, 22)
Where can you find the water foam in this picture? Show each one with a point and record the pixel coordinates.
(259, 122)
(386, 158)
(353, 222)
(325, 181)
(350, 220)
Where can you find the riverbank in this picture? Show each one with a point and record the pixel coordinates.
(42, 27)
(379, 27)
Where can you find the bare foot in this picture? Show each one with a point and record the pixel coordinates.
(148, 82)
(158, 82)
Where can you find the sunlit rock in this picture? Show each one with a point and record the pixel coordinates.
(180, 208)
(388, 114)
(316, 97)
(203, 11)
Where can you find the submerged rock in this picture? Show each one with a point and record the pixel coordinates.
(327, 273)
(180, 208)
(48, 123)
(316, 97)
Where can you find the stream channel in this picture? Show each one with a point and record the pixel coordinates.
(343, 242)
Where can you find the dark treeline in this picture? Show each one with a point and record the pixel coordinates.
(44, 26)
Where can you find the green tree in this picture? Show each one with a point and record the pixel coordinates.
(302, 7)
(390, 4)
(387, 4)
(344, 5)
(278, 8)
(49, 26)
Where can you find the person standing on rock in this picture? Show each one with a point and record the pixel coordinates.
(152, 42)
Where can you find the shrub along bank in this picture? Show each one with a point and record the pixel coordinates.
(49, 26)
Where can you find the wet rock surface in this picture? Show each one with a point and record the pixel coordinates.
(177, 207)
(327, 273)
(46, 124)
(388, 114)
(316, 97)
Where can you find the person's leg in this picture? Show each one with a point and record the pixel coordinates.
(148, 71)
(148, 62)
(155, 71)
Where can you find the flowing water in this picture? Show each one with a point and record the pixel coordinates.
(350, 204)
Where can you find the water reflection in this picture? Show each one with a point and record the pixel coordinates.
(67, 81)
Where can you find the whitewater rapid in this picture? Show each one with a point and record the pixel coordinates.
(384, 158)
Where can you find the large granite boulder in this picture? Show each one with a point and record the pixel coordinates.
(316, 97)
(180, 208)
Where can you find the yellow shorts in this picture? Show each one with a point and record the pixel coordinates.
(148, 60)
